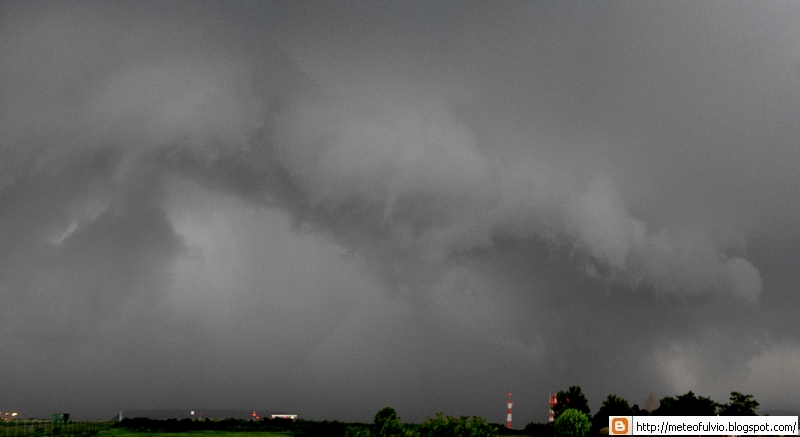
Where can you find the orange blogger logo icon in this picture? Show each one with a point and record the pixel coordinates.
(619, 425)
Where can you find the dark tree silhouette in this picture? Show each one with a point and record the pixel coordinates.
(612, 406)
(686, 405)
(740, 405)
(572, 398)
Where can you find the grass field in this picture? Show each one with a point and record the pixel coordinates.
(143, 427)
(118, 432)
(46, 428)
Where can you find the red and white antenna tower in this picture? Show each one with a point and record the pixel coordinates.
(553, 402)
(510, 403)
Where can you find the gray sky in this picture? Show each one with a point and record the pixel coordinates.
(327, 209)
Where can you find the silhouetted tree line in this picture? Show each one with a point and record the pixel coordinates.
(387, 424)
(572, 419)
(688, 404)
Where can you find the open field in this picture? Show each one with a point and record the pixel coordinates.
(118, 432)
(188, 428)
(46, 428)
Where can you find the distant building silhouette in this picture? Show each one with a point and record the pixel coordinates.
(199, 413)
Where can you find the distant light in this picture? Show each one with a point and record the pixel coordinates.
(192, 412)
(13, 414)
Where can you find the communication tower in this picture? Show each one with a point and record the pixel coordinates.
(510, 403)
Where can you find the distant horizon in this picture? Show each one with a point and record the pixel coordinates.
(245, 414)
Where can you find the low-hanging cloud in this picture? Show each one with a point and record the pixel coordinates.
(406, 166)
(423, 158)
(184, 186)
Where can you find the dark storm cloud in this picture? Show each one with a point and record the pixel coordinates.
(330, 210)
